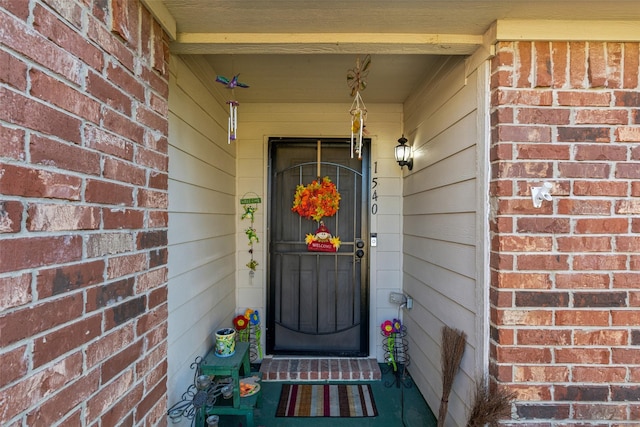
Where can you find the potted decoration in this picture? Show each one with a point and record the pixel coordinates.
(225, 342)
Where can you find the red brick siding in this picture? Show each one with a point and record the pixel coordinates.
(83, 213)
(565, 315)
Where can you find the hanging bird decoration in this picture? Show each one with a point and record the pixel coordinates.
(232, 127)
(356, 80)
(230, 84)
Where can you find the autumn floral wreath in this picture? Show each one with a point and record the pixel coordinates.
(316, 200)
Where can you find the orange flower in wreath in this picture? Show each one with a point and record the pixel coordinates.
(316, 200)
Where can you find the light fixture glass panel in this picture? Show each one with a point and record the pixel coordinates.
(403, 153)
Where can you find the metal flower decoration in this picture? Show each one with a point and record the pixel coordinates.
(356, 77)
(203, 392)
(240, 322)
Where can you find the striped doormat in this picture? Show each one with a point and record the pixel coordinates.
(326, 400)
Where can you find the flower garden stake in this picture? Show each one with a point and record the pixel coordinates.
(240, 324)
(256, 347)
(248, 329)
(389, 332)
(396, 351)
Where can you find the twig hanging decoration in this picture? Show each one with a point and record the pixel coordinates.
(356, 80)
(356, 77)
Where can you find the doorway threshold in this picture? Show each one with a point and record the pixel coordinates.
(319, 369)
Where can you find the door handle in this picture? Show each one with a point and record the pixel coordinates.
(360, 245)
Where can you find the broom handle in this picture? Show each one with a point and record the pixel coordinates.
(442, 413)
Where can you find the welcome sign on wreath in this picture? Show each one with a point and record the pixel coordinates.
(315, 201)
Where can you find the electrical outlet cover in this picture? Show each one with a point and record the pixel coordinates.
(397, 298)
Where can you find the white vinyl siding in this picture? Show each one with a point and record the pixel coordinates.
(441, 240)
(202, 221)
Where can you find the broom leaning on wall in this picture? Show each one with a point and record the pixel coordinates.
(453, 344)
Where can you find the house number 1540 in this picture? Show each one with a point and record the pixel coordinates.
(374, 192)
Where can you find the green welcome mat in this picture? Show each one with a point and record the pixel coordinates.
(326, 400)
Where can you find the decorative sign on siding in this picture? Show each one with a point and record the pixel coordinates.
(250, 201)
(250, 207)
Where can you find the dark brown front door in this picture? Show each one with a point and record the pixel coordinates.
(317, 301)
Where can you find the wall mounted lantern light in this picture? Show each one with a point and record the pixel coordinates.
(403, 153)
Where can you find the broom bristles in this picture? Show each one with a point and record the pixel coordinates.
(490, 407)
(453, 344)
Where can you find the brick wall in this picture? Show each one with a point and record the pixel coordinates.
(565, 285)
(83, 213)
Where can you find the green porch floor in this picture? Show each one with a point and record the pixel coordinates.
(389, 402)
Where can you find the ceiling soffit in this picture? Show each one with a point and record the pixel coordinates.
(279, 43)
(335, 26)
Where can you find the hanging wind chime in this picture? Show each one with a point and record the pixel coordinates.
(356, 79)
(232, 127)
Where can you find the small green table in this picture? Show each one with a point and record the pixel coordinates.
(231, 366)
